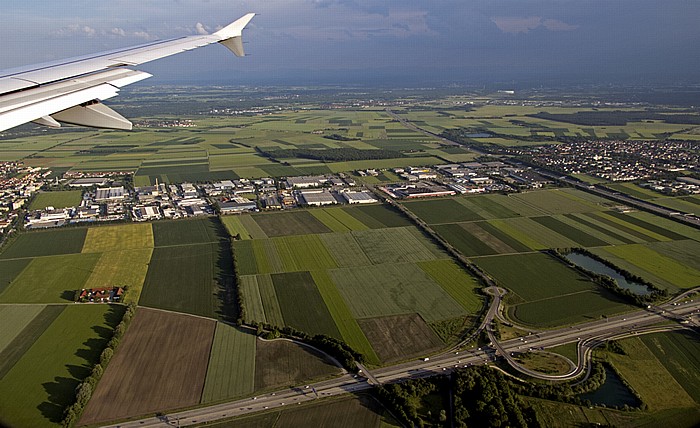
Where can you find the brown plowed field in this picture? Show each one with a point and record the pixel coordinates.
(400, 336)
(160, 364)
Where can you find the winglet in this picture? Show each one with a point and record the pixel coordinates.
(231, 34)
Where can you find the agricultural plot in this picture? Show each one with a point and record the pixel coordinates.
(60, 199)
(534, 234)
(184, 232)
(290, 223)
(231, 369)
(456, 282)
(244, 256)
(678, 274)
(121, 268)
(555, 202)
(534, 276)
(115, 238)
(679, 352)
(342, 316)
(394, 289)
(338, 219)
(347, 413)
(470, 242)
(379, 216)
(396, 245)
(569, 309)
(46, 243)
(345, 249)
(304, 252)
(649, 377)
(235, 227)
(439, 211)
(298, 290)
(9, 269)
(570, 232)
(400, 336)
(52, 279)
(173, 349)
(486, 206)
(253, 306)
(684, 252)
(42, 383)
(183, 279)
(24, 325)
(280, 363)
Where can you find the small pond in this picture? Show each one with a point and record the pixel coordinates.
(594, 265)
(479, 135)
(612, 393)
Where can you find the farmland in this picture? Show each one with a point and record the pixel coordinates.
(42, 382)
(52, 279)
(56, 199)
(173, 349)
(115, 238)
(400, 336)
(231, 369)
(292, 223)
(46, 243)
(280, 363)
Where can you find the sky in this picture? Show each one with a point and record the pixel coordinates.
(404, 42)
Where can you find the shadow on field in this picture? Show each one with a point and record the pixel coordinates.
(61, 392)
(224, 275)
(68, 295)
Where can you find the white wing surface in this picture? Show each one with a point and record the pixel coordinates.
(71, 90)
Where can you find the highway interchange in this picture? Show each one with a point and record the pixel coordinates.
(678, 313)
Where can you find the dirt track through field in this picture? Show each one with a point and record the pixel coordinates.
(160, 364)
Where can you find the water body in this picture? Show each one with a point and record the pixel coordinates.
(594, 265)
(612, 392)
(480, 135)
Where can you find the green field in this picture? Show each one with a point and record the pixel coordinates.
(342, 316)
(52, 279)
(679, 352)
(680, 275)
(42, 383)
(58, 200)
(338, 219)
(121, 268)
(189, 231)
(290, 223)
(9, 269)
(456, 282)
(569, 309)
(345, 249)
(298, 290)
(394, 289)
(304, 252)
(25, 323)
(394, 245)
(46, 243)
(122, 237)
(183, 279)
(399, 337)
(534, 276)
(231, 369)
(438, 211)
(378, 216)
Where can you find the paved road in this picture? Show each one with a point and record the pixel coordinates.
(587, 336)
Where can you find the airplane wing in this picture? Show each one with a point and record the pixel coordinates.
(71, 90)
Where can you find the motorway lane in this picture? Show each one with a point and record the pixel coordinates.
(595, 330)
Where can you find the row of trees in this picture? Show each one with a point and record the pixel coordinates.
(330, 155)
(84, 391)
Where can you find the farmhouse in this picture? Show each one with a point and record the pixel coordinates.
(100, 295)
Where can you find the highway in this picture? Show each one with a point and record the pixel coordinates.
(587, 335)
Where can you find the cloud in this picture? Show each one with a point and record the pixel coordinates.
(556, 25)
(201, 29)
(76, 29)
(143, 35)
(516, 25)
(117, 32)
